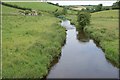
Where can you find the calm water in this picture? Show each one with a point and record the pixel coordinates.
(81, 58)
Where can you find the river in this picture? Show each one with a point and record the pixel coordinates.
(81, 58)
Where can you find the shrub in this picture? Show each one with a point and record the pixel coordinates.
(27, 12)
(64, 11)
(83, 19)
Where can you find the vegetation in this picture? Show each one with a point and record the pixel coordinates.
(98, 7)
(64, 11)
(30, 43)
(104, 29)
(83, 19)
(116, 5)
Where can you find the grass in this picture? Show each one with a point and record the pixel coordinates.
(104, 28)
(30, 43)
(37, 6)
(72, 18)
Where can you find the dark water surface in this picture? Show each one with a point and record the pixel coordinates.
(81, 58)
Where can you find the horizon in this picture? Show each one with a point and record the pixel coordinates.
(68, 3)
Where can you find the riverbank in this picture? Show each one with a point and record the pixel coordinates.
(30, 43)
(104, 29)
(79, 53)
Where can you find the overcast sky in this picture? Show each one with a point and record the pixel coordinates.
(92, 2)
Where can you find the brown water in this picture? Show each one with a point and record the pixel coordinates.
(81, 58)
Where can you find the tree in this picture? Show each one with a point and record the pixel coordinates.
(99, 7)
(57, 4)
(116, 5)
(83, 19)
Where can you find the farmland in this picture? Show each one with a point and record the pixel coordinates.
(29, 43)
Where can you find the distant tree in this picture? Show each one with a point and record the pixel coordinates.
(99, 7)
(57, 4)
(106, 8)
(116, 5)
(87, 9)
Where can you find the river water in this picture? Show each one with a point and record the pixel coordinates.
(81, 58)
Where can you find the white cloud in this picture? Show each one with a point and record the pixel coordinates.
(105, 3)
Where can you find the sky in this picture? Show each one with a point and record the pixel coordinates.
(90, 2)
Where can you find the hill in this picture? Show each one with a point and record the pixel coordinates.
(37, 5)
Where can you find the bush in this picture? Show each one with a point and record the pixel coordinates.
(64, 11)
(27, 12)
(83, 19)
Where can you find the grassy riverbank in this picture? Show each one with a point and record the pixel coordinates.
(29, 43)
(104, 28)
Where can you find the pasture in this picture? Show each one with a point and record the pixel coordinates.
(30, 43)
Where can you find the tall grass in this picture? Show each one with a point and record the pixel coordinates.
(29, 44)
(104, 28)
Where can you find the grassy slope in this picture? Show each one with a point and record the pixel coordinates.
(29, 44)
(37, 6)
(105, 29)
(41, 6)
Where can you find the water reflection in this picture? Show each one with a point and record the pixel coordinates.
(82, 36)
(81, 59)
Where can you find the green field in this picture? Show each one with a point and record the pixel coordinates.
(104, 28)
(30, 42)
(37, 6)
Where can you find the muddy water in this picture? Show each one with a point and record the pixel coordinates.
(81, 58)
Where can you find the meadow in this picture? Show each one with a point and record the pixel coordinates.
(30, 43)
(104, 28)
(42, 6)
